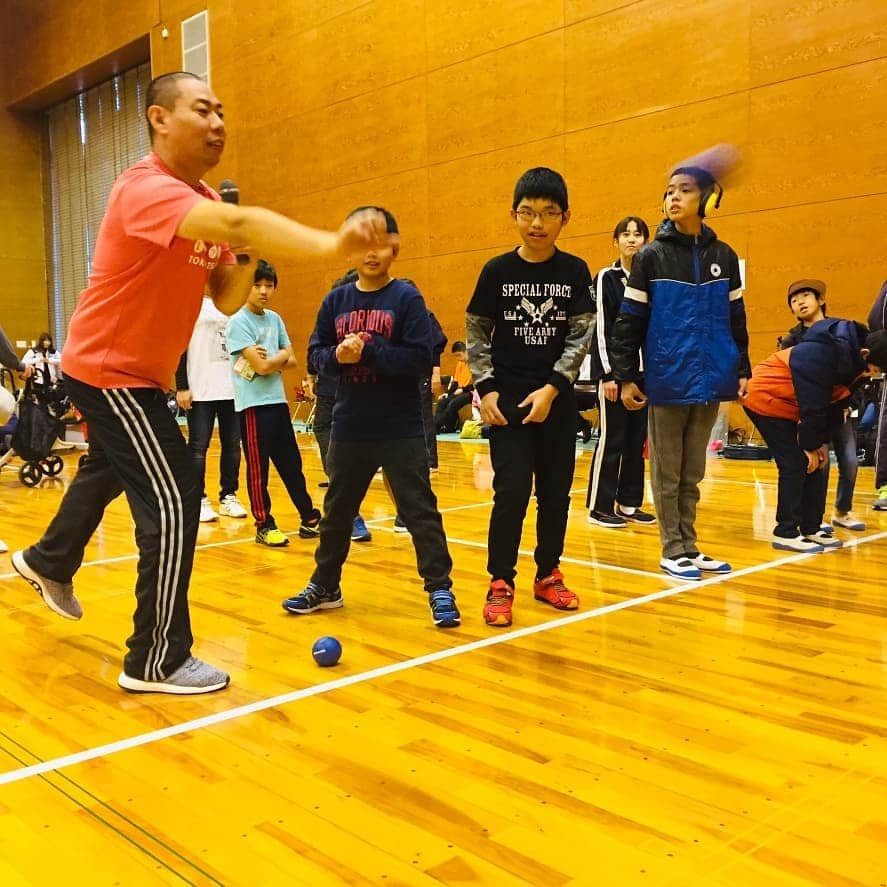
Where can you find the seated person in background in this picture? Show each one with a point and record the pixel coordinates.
(457, 395)
(796, 398)
(45, 360)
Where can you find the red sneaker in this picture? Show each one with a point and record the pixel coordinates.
(552, 590)
(497, 610)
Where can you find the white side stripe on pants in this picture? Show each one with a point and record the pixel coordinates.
(598, 457)
(160, 475)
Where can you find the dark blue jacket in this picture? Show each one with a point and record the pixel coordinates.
(683, 306)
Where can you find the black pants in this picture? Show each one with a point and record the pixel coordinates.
(267, 434)
(800, 501)
(446, 415)
(427, 400)
(617, 469)
(352, 466)
(201, 419)
(545, 451)
(881, 441)
(323, 422)
(136, 447)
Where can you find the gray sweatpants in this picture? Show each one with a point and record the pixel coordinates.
(678, 445)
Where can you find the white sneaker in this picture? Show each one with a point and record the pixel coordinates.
(681, 568)
(798, 543)
(848, 521)
(206, 511)
(825, 539)
(709, 564)
(3, 546)
(230, 506)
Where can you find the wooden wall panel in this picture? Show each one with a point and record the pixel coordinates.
(793, 38)
(458, 31)
(820, 138)
(663, 56)
(497, 99)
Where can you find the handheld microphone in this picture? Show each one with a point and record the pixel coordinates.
(229, 192)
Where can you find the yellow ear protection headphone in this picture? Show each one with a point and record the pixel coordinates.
(711, 195)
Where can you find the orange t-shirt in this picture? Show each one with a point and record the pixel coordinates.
(136, 315)
(462, 374)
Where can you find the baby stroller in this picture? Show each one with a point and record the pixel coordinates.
(37, 429)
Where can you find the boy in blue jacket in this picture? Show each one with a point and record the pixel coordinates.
(683, 306)
(375, 335)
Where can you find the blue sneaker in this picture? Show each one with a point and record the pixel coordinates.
(444, 611)
(359, 532)
(314, 597)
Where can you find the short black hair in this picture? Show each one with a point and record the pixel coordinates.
(458, 346)
(348, 277)
(163, 91)
(703, 178)
(264, 271)
(543, 183)
(390, 221)
(622, 227)
(876, 343)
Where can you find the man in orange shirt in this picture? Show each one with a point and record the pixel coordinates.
(162, 241)
(795, 398)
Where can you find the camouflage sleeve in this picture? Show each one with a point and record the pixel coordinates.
(480, 351)
(575, 348)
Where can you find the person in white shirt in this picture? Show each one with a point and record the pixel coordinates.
(205, 391)
(45, 360)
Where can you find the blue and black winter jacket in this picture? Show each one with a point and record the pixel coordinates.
(683, 307)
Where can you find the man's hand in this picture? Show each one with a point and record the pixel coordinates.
(489, 410)
(184, 399)
(27, 372)
(743, 388)
(632, 396)
(308, 389)
(436, 387)
(611, 391)
(363, 231)
(539, 402)
(350, 349)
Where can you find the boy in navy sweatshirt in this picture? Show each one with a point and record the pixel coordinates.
(375, 335)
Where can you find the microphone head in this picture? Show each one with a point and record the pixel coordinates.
(229, 192)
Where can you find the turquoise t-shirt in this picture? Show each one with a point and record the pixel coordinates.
(244, 329)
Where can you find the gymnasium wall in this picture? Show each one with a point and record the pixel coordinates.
(434, 107)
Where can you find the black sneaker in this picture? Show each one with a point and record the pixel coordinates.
(314, 597)
(637, 516)
(444, 611)
(602, 519)
(310, 528)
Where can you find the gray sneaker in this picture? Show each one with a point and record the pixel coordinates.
(58, 596)
(191, 677)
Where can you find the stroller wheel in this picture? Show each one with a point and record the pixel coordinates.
(52, 465)
(30, 473)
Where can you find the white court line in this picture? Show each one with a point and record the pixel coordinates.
(221, 717)
(570, 560)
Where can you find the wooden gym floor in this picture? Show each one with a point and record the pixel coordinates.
(732, 731)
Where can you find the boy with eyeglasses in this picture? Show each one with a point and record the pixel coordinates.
(528, 327)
